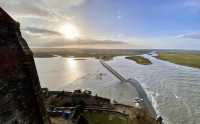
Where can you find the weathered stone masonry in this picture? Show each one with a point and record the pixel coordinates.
(20, 99)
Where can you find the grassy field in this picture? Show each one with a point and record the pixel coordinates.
(182, 58)
(104, 118)
(139, 60)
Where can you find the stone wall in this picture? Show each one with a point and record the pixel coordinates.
(20, 91)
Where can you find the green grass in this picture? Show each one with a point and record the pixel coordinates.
(104, 118)
(187, 59)
(139, 60)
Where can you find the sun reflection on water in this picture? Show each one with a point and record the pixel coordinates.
(71, 63)
(73, 69)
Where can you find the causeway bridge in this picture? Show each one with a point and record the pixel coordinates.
(141, 93)
(115, 73)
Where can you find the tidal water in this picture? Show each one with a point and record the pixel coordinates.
(173, 89)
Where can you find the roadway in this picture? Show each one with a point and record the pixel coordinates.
(141, 93)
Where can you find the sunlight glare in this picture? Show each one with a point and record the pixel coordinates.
(72, 63)
(70, 31)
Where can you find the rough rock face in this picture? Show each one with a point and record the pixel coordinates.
(20, 99)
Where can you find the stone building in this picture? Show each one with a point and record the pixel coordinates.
(20, 99)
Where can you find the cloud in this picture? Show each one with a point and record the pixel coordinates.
(24, 7)
(39, 7)
(64, 3)
(39, 17)
(190, 35)
(40, 13)
(89, 43)
(38, 31)
(193, 5)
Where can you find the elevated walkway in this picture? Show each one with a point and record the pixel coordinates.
(115, 73)
(145, 103)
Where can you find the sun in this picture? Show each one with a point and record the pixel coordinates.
(70, 31)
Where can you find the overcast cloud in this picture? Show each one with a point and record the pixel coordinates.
(40, 17)
(124, 20)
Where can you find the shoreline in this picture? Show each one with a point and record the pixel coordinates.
(142, 98)
(139, 59)
(184, 59)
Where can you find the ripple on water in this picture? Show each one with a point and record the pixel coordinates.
(178, 88)
(173, 89)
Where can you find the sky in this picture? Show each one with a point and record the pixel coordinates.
(160, 24)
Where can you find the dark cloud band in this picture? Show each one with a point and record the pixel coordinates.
(38, 31)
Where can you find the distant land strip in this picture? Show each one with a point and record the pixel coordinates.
(139, 60)
(105, 54)
(191, 59)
